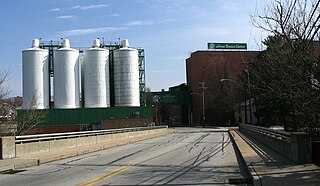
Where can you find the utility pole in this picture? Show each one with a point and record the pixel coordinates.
(249, 92)
(203, 87)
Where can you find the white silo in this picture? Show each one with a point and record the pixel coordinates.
(35, 74)
(96, 76)
(66, 77)
(126, 76)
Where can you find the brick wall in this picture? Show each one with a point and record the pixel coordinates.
(125, 123)
(210, 67)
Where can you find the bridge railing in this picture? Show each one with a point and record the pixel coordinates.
(17, 146)
(68, 135)
(294, 145)
(281, 135)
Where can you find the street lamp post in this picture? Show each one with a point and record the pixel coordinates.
(203, 87)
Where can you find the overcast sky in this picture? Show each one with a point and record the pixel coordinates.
(168, 30)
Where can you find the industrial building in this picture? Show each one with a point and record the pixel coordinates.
(205, 71)
(173, 107)
(82, 89)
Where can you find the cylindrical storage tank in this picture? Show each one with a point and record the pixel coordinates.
(126, 76)
(66, 77)
(35, 75)
(96, 77)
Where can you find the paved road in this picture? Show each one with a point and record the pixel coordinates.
(192, 156)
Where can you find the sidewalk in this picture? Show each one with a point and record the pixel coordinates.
(9, 165)
(268, 167)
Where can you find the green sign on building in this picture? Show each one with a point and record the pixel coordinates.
(227, 46)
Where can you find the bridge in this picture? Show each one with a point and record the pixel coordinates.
(158, 155)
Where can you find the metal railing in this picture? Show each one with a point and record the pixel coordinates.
(282, 135)
(56, 136)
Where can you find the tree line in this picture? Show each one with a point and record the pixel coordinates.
(285, 77)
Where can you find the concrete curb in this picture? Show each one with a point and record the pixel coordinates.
(6, 168)
(248, 171)
(27, 163)
(55, 157)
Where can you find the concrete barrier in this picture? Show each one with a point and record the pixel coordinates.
(301, 147)
(104, 138)
(293, 145)
(87, 140)
(32, 148)
(34, 144)
(7, 149)
(55, 145)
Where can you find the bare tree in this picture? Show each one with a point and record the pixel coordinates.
(29, 118)
(3, 90)
(291, 19)
(10, 123)
(221, 98)
(5, 125)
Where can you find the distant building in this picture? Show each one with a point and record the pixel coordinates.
(15, 101)
(8, 107)
(172, 107)
(205, 69)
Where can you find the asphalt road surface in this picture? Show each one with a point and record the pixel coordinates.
(192, 156)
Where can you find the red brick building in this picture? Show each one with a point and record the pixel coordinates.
(210, 67)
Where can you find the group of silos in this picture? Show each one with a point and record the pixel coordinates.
(94, 77)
